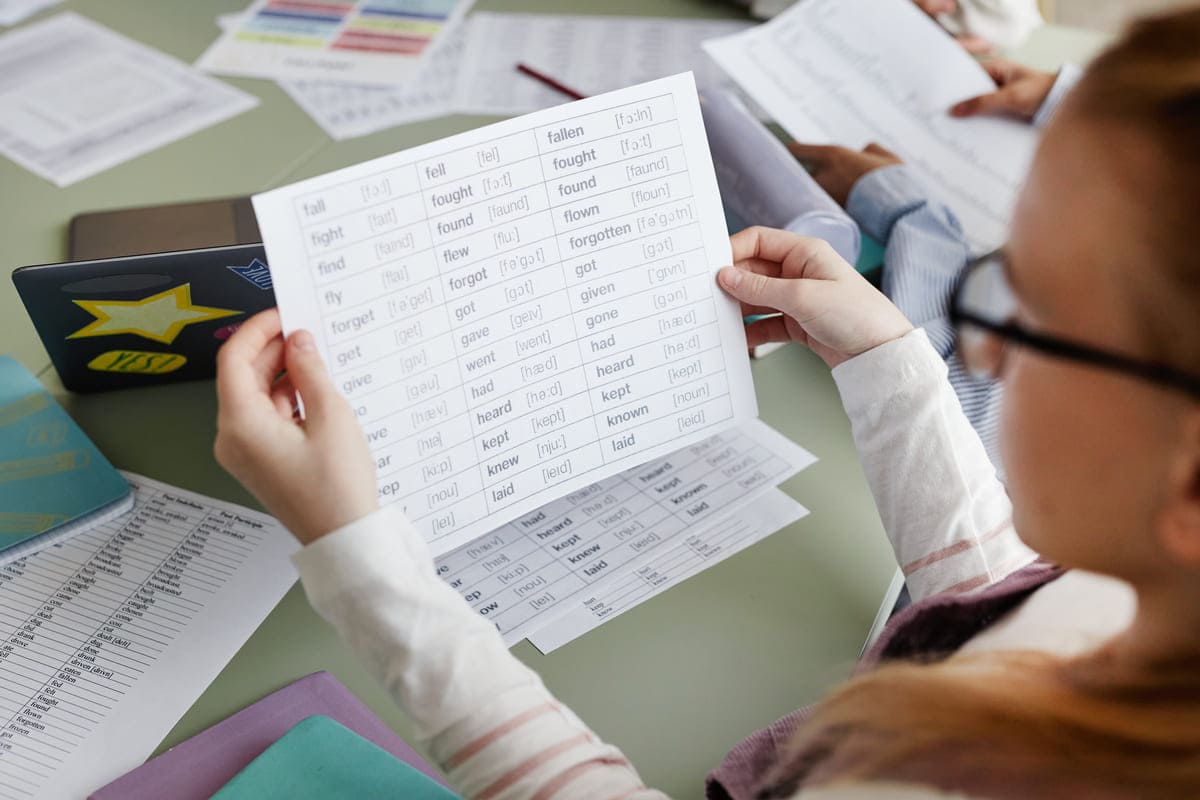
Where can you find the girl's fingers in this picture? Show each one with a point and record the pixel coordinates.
(243, 362)
(770, 245)
(771, 329)
(757, 311)
(760, 266)
(283, 397)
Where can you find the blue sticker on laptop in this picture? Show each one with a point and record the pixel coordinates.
(255, 272)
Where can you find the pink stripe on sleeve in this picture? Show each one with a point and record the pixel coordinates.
(566, 776)
(473, 747)
(956, 548)
(530, 764)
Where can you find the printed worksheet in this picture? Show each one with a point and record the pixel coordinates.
(345, 110)
(851, 72)
(590, 54)
(110, 636)
(526, 574)
(356, 41)
(522, 310)
(77, 98)
(13, 11)
(733, 531)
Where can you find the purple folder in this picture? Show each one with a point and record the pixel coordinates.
(198, 767)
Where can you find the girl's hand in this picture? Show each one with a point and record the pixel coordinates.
(824, 303)
(315, 475)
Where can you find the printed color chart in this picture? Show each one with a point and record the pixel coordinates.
(374, 42)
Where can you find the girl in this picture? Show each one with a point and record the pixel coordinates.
(1008, 677)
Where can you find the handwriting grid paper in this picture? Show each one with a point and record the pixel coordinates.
(851, 72)
(345, 110)
(591, 54)
(355, 41)
(109, 637)
(734, 531)
(521, 310)
(13, 11)
(77, 98)
(527, 573)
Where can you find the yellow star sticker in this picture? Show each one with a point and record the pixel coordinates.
(159, 317)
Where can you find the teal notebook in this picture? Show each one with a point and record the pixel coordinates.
(54, 483)
(321, 760)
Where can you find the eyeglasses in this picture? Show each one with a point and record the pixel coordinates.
(982, 311)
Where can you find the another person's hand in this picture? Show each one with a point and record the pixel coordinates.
(837, 169)
(314, 475)
(1020, 92)
(970, 42)
(935, 7)
(824, 303)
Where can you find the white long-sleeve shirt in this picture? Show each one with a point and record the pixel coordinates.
(496, 730)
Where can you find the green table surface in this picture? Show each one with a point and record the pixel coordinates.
(674, 682)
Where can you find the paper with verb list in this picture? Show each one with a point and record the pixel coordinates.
(521, 310)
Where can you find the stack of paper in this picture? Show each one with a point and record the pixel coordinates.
(77, 98)
(111, 635)
(673, 516)
(525, 320)
(13, 11)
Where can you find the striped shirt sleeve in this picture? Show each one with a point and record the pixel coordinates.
(944, 509)
(485, 717)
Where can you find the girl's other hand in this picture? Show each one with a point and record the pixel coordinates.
(824, 302)
(315, 475)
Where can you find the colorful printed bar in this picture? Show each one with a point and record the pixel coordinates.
(303, 6)
(274, 38)
(443, 7)
(291, 15)
(397, 26)
(387, 12)
(381, 43)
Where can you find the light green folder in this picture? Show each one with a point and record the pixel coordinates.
(319, 759)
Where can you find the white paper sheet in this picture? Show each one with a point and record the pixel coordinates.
(13, 11)
(850, 72)
(524, 575)
(733, 531)
(521, 310)
(380, 42)
(77, 98)
(590, 54)
(345, 110)
(109, 637)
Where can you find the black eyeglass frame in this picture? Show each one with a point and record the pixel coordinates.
(1153, 372)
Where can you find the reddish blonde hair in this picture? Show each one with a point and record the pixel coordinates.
(1149, 85)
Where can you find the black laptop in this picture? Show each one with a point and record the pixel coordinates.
(142, 320)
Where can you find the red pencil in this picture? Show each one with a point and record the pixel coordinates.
(553, 84)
